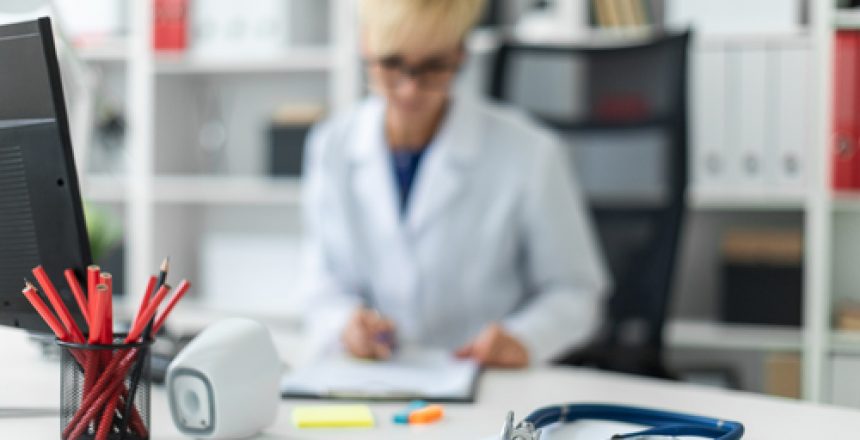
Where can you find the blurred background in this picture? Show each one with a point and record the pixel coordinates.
(189, 119)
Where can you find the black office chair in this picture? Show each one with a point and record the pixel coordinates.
(624, 109)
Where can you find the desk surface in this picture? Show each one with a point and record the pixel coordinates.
(33, 381)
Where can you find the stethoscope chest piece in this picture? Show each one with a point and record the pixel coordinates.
(522, 431)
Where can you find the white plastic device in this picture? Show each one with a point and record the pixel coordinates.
(224, 384)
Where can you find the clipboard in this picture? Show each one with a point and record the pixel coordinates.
(414, 373)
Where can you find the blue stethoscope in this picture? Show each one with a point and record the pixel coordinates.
(663, 423)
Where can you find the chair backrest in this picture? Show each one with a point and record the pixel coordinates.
(623, 109)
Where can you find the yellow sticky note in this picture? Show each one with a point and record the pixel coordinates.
(333, 416)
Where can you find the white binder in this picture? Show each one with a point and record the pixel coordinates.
(748, 113)
(792, 133)
(229, 30)
(708, 121)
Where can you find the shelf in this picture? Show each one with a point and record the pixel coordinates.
(801, 37)
(253, 190)
(100, 188)
(483, 41)
(845, 342)
(725, 336)
(846, 201)
(746, 200)
(847, 19)
(227, 190)
(112, 51)
(293, 60)
(595, 125)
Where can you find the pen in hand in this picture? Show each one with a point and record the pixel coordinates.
(368, 334)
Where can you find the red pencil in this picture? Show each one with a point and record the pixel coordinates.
(93, 272)
(180, 292)
(57, 303)
(80, 297)
(118, 365)
(43, 310)
(141, 320)
(107, 330)
(147, 295)
(97, 331)
(107, 418)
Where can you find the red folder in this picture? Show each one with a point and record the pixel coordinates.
(170, 21)
(846, 111)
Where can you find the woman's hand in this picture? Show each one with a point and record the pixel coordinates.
(369, 335)
(494, 347)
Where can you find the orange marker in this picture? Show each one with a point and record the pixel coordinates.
(429, 414)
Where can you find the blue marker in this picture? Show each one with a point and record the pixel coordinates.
(402, 417)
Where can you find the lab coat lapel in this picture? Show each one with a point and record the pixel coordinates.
(391, 261)
(444, 171)
(372, 176)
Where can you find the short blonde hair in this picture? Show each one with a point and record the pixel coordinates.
(390, 25)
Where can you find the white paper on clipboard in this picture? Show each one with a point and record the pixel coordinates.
(411, 372)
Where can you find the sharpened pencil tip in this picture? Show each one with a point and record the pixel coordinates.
(28, 285)
(165, 265)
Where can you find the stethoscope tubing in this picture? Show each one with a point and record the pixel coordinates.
(664, 422)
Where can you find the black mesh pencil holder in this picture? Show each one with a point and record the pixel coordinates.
(105, 391)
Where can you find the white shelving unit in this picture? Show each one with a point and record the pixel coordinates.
(152, 195)
(822, 204)
(832, 273)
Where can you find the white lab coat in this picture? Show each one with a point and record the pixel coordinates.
(495, 231)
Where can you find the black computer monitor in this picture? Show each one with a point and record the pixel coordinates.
(41, 217)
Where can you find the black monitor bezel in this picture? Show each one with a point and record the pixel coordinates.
(29, 319)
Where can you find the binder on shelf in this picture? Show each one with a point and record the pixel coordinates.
(792, 116)
(170, 25)
(736, 17)
(90, 23)
(709, 118)
(230, 30)
(748, 114)
(846, 161)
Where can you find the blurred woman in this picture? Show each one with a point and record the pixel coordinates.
(437, 218)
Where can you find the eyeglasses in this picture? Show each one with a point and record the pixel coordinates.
(432, 74)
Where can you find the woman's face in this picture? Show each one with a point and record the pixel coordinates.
(415, 82)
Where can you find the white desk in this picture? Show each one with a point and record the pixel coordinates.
(28, 380)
